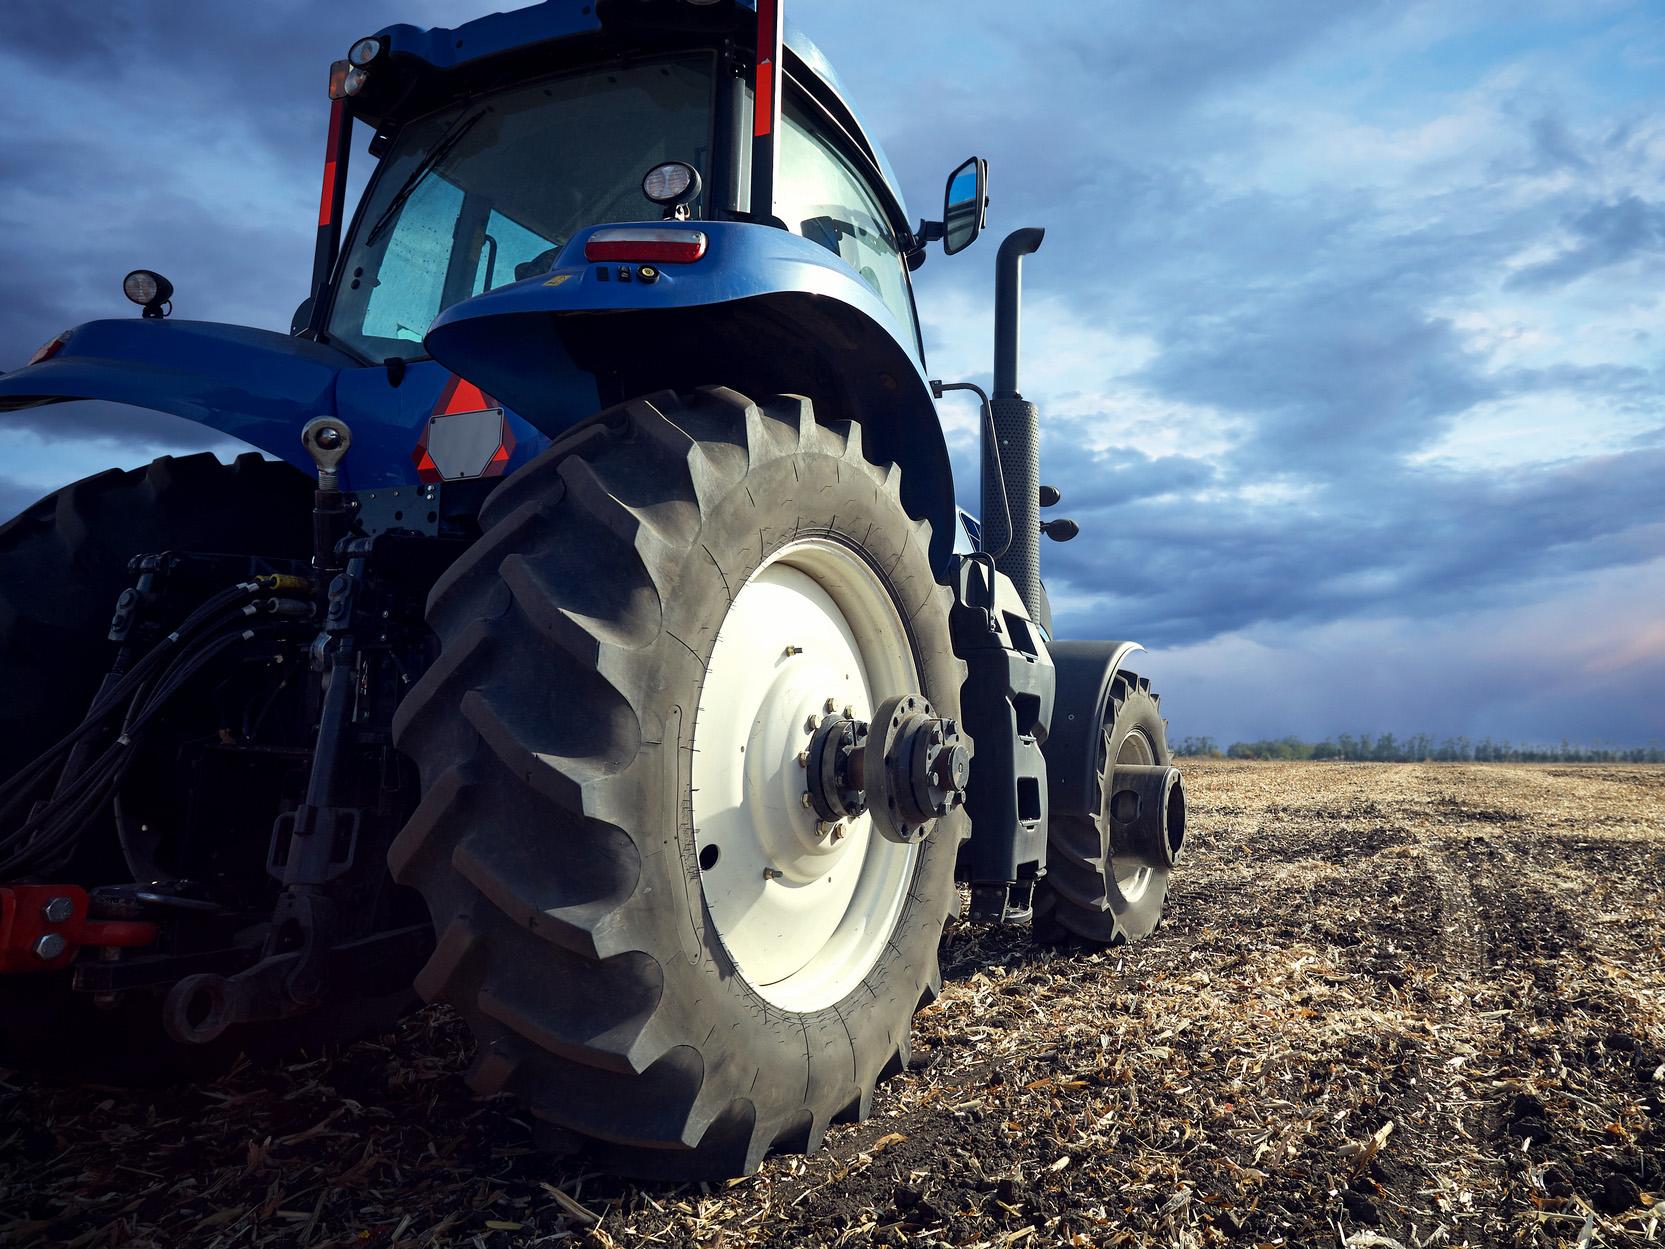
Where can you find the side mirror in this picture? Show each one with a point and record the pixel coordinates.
(964, 205)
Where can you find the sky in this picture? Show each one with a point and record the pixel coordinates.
(1346, 334)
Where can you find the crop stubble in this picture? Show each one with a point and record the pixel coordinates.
(1391, 1004)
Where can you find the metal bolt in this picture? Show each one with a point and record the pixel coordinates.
(822, 828)
(57, 910)
(838, 832)
(328, 438)
(849, 713)
(803, 761)
(771, 873)
(805, 799)
(811, 724)
(794, 650)
(50, 946)
(830, 706)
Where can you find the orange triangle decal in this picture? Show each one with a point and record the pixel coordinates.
(461, 396)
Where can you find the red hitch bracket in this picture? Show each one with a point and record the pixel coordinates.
(43, 927)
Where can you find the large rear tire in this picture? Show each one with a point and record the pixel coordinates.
(610, 840)
(1087, 894)
(63, 561)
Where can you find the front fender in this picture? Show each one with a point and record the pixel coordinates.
(1085, 671)
(763, 311)
(252, 384)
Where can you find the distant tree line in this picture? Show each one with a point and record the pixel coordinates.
(1418, 748)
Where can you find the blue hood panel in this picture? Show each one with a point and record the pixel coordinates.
(255, 385)
(239, 380)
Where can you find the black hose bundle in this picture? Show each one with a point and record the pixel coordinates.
(41, 835)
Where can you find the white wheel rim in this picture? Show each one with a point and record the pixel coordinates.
(803, 913)
(1131, 882)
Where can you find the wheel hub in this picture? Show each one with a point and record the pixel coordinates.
(911, 770)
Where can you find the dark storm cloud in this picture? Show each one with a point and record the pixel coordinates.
(1120, 476)
(1333, 373)
(1603, 234)
(188, 133)
(1554, 147)
(1424, 544)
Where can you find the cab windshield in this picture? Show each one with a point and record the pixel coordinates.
(486, 193)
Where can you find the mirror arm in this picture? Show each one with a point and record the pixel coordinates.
(913, 246)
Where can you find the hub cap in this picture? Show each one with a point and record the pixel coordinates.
(1133, 878)
(803, 905)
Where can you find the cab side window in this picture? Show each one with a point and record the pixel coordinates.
(820, 195)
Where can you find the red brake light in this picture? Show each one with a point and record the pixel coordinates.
(635, 244)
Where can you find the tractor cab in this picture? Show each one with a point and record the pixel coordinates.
(486, 173)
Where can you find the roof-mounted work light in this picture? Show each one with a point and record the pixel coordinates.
(364, 51)
(150, 290)
(673, 185)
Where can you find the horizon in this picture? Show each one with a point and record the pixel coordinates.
(1345, 334)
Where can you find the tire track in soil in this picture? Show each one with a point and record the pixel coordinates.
(1434, 1165)
(1564, 1149)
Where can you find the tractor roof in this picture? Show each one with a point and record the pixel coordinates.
(553, 21)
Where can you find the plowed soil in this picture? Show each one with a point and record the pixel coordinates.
(1392, 1004)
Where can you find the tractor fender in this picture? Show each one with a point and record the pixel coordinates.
(1085, 671)
(251, 384)
(762, 311)
(258, 386)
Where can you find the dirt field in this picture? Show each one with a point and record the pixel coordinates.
(1393, 1004)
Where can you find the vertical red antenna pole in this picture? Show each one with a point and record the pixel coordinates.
(766, 106)
(332, 200)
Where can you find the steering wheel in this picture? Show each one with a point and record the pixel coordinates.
(542, 263)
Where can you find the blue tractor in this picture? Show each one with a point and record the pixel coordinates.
(596, 646)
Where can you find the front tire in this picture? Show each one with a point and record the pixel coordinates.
(1088, 894)
(608, 745)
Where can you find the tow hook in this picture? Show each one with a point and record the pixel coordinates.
(908, 766)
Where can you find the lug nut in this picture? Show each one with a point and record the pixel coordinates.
(803, 761)
(805, 799)
(838, 832)
(50, 946)
(811, 724)
(771, 873)
(57, 910)
(830, 706)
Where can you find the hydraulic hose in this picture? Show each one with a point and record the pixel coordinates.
(49, 832)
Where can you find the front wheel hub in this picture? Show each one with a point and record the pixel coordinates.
(908, 766)
(916, 768)
(1147, 815)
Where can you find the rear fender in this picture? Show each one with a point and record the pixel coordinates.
(763, 311)
(1085, 671)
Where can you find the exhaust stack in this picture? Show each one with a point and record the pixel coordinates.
(1011, 467)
